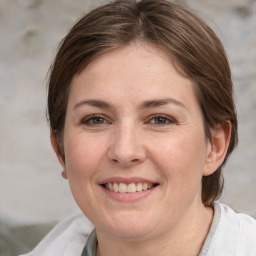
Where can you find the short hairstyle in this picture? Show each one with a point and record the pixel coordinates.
(193, 48)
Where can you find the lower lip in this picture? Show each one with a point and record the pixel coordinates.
(128, 197)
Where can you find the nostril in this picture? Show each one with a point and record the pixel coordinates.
(125, 161)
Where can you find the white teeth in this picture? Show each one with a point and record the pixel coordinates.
(131, 188)
(128, 188)
(115, 187)
(122, 188)
(145, 186)
(139, 187)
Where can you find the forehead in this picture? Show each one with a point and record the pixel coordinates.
(140, 70)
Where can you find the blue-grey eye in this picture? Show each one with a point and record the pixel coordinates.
(161, 119)
(97, 120)
(94, 120)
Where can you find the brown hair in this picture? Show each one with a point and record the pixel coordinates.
(193, 47)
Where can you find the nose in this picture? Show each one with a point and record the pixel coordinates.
(127, 147)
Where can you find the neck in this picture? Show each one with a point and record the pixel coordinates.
(186, 238)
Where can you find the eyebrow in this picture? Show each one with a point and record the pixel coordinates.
(161, 102)
(144, 105)
(95, 103)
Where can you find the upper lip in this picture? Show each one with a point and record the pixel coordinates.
(127, 180)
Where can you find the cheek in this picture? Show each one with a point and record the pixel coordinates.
(180, 162)
(180, 156)
(82, 155)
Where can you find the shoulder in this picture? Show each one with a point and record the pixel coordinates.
(67, 238)
(235, 234)
(243, 224)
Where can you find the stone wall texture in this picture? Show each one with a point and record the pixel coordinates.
(31, 187)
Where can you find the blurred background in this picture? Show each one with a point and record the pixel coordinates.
(33, 195)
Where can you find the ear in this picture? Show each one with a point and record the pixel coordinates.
(217, 147)
(58, 154)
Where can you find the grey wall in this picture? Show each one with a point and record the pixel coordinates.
(31, 187)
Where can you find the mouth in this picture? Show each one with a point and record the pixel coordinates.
(129, 188)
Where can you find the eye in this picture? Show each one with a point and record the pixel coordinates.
(161, 119)
(95, 120)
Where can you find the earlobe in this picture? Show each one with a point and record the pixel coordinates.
(217, 148)
(64, 174)
(58, 154)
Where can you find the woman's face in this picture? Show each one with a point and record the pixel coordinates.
(134, 143)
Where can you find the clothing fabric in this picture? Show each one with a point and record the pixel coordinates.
(66, 239)
(235, 235)
(231, 234)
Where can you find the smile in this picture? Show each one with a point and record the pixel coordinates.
(129, 188)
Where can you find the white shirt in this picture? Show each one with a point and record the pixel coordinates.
(67, 238)
(231, 234)
(235, 234)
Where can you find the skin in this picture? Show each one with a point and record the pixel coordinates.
(148, 126)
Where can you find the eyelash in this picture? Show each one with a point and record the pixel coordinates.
(93, 120)
(167, 119)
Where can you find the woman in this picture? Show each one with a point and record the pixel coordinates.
(142, 121)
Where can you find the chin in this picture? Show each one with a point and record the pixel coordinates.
(132, 233)
(131, 226)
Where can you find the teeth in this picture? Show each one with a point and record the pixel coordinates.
(145, 186)
(122, 188)
(150, 186)
(115, 187)
(139, 187)
(128, 188)
(131, 188)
